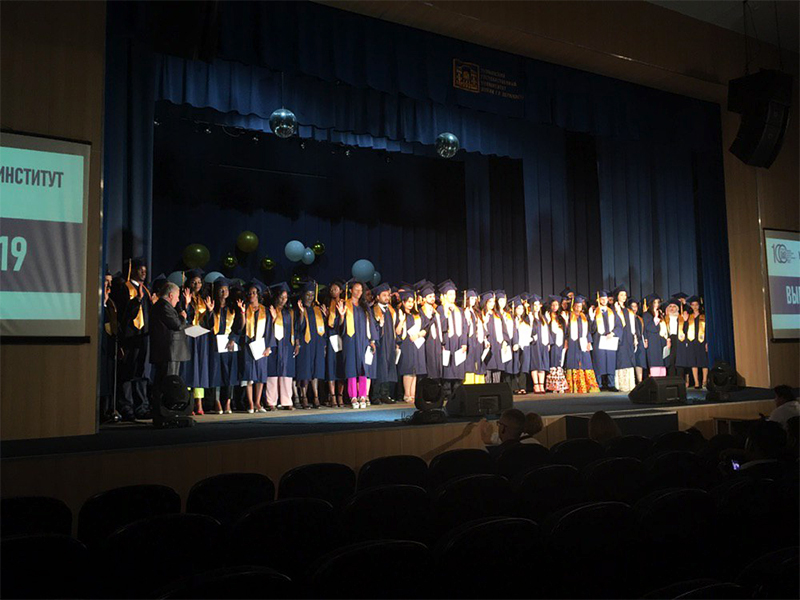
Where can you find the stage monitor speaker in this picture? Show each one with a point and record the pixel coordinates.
(478, 400)
(764, 100)
(721, 382)
(659, 390)
(172, 403)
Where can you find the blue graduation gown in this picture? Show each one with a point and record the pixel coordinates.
(577, 358)
(497, 334)
(640, 356)
(250, 368)
(625, 351)
(556, 349)
(433, 343)
(334, 361)
(540, 347)
(310, 361)
(523, 355)
(453, 341)
(654, 353)
(605, 361)
(386, 350)
(476, 336)
(693, 352)
(223, 368)
(354, 346)
(281, 361)
(412, 359)
(195, 371)
(511, 367)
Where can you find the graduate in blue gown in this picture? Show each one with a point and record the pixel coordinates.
(334, 357)
(508, 370)
(411, 335)
(454, 332)
(639, 355)
(477, 342)
(655, 335)
(257, 326)
(557, 332)
(497, 335)
(285, 343)
(624, 376)
(313, 339)
(695, 335)
(521, 345)
(578, 361)
(195, 371)
(540, 346)
(385, 318)
(604, 324)
(435, 327)
(359, 332)
(225, 322)
(676, 341)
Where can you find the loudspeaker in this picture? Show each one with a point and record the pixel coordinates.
(764, 100)
(480, 399)
(172, 405)
(721, 382)
(659, 390)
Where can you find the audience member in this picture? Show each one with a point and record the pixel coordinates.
(602, 427)
(786, 406)
(510, 428)
(766, 443)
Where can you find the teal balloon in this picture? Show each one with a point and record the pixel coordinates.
(363, 270)
(212, 276)
(196, 255)
(376, 278)
(176, 277)
(247, 242)
(294, 250)
(308, 256)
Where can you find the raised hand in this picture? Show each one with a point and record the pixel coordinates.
(324, 310)
(273, 312)
(341, 308)
(209, 303)
(240, 304)
(301, 306)
(187, 296)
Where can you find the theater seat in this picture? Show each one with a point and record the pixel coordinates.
(548, 489)
(509, 546)
(227, 496)
(457, 463)
(673, 441)
(31, 515)
(773, 575)
(375, 569)
(675, 470)
(331, 482)
(614, 479)
(471, 497)
(629, 446)
(518, 459)
(286, 535)
(232, 582)
(390, 470)
(577, 453)
(673, 590)
(107, 511)
(387, 512)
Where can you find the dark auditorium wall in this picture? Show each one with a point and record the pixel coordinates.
(639, 42)
(51, 83)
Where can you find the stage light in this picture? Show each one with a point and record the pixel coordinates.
(721, 382)
(172, 405)
(429, 404)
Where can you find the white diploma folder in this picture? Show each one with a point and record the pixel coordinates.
(584, 345)
(506, 354)
(336, 342)
(257, 347)
(460, 356)
(445, 358)
(608, 343)
(665, 352)
(419, 342)
(524, 338)
(196, 331)
(485, 354)
(368, 356)
(222, 344)
(397, 356)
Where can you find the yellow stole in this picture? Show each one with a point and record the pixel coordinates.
(255, 326)
(376, 310)
(228, 323)
(199, 309)
(318, 320)
(138, 320)
(332, 314)
(279, 323)
(700, 327)
(599, 320)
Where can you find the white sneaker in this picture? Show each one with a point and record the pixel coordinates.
(250, 411)
(261, 409)
(363, 403)
(354, 404)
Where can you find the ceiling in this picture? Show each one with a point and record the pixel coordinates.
(760, 17)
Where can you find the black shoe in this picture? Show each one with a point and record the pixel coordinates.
(376, 401)
(613, 389)
(128, 418)
(389, 401)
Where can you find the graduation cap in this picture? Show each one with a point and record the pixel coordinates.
(339, 282)
(578, 299)
(620, 288)
(679, 296)
(406, 294)
(255, 283)
(117, 275)
(534, 298)
(691, 299)
(380, 288)
(472, 294)
(567, 291)
(603, 294)
(632, 301)
(279, 288)
(446, 286)
(133, 264)
(192, 273)
(426, 289)
(421, 283)
(487, 295)
(672, 301)
(552, 298)
(222, 282)
(308, 286)
(500, 294)
(515, 301)
(158, 282)
(404, 285)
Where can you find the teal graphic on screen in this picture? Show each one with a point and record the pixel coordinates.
(43, 194)
(783, 271)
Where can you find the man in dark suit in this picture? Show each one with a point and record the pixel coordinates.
(168, 346)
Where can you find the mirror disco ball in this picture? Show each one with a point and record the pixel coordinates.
(447, 145)
(283, 123)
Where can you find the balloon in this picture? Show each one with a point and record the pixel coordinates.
(362, 270)
(297, 279)
(212, 277)
(176, 277)
(318, 248)
(247, 241)
(376, 278)
(229, 261)
(308, 256)
(196, 255)
(267, 263)
(447, 145)
(283, 123)
(294, 250)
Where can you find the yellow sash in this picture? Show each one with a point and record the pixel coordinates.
(228, 323)
(701, 328)
(138, 320)
(318, 320)
(255, 326)
(200, 309)
(279, 324)
(332, 313)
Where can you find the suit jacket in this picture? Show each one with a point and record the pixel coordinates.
(167, 336)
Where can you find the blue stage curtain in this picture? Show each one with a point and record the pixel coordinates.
(377, 84)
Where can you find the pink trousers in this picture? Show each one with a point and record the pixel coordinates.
(356, 387)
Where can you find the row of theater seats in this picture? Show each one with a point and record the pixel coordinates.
(616, 527)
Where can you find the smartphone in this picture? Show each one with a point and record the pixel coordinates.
(735, 465)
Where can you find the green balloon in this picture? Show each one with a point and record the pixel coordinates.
(267, 263)
(247, 241)
(296, 280)
(229, 262)
(196, 255)
(318, 248)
